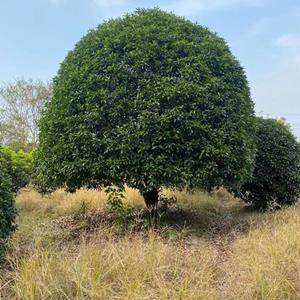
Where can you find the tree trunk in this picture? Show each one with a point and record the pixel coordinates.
(151, 200)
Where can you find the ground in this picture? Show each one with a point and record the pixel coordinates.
(67, 246)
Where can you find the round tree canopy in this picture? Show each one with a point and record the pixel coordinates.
(148, 100)
(276, 177)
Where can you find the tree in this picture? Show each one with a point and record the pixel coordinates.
(22, 102)
(149, 100)
(7, 206)
(276, 178)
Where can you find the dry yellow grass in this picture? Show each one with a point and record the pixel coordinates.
(123, 269)
(226, 252)
(61, 203)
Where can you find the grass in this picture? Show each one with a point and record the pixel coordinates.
(212, 248)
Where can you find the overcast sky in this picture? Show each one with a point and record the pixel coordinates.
(263, 34)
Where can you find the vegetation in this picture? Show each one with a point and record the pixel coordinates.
(276, 178)
(153, 108)
(149, 100)
(18, 166)
(219, 250)
(15, 171)
(7, 206)
(21, 104)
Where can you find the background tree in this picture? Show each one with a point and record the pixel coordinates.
(149, 100)
(276, 178)
(21, 105)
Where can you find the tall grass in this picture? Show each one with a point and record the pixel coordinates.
(129, 268)
(61, 203)
(229, 253)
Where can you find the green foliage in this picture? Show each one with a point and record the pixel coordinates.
(18, 165)
(276, 178)
(123, 213)
(149, 100)
(7, 207)
(115, 199)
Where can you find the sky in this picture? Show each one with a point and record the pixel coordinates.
(263, 34)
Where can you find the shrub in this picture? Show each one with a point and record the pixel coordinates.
(276, 178)
(18, 165)
(7, 207)
(149, 100)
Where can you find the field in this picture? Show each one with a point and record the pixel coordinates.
(207, 247)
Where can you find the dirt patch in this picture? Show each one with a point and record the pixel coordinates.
(87, 222)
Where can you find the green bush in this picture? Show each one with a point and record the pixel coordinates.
(18, 165)
(276, 178)
(7, 207)
(149, 100)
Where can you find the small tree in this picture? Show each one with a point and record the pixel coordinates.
(21, 105)
(276, 178)
(149, 100)
(7, 207)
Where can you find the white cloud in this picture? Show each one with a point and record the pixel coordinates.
(277, 91)
(289, 46)
(289, 41)
(262, 26)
